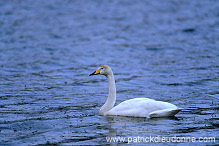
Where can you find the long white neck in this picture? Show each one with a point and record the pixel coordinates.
(110, 102)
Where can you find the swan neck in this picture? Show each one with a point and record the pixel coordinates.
(110, 102)
(111, 88)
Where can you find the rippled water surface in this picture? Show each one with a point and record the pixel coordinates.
(165, 50)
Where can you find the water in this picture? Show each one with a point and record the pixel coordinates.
(165, 50)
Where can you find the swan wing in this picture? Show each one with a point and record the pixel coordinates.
(164, 113)
(143, 107)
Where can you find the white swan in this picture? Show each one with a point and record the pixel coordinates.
(137, 107)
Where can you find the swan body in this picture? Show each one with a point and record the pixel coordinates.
(137, 107)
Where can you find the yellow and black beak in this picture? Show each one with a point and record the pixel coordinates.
(96, 72)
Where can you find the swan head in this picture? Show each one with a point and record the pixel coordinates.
(102, 70)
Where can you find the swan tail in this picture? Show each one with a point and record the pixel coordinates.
(164, 113)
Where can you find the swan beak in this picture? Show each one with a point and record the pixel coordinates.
(96, 72)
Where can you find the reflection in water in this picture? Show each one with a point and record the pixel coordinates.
(127, 127)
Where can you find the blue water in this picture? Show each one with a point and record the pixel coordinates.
(165, 50)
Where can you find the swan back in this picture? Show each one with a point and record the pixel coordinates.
(143, 107)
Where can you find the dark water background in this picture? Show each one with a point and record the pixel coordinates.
(162, 49)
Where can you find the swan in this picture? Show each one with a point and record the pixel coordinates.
(137, 107)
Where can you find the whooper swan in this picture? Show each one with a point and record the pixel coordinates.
(137, 107)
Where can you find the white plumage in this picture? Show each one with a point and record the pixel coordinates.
(137, 107)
